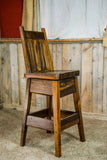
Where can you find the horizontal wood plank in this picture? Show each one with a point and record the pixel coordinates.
(18, 40)
(53, 75)
(40, 123)
(34, 35)
(41, 87)
(67, 87)
(69, 121)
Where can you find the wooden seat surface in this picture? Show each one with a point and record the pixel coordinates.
(53, 75)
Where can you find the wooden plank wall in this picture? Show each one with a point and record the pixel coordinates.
(89, 57)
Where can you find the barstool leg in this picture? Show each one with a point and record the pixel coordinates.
(78, 109)
(49, 106)
(56, 115)
(26, 112)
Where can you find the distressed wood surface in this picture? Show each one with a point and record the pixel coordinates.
(22, 80)
(88, 57)
(1, 77)
(97, 78)
(105, 82)
(86, 81)
(14, 73)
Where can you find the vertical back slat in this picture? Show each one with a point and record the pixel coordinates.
(26, 57)
(43, 53)
(37, 58)
(30, 55)
(47, 50)
(40, 55)
(33, 53)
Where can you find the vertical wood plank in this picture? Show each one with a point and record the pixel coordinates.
(14, 73)
(51, 51)
(6, 78)
(105, 83)
(59, 57)
(22, 70)
(59, 62)
(71, 61)
(76, 60)
(1, 77)
(98, 78)
(67, 101)
(86, 83)
(40, 101)
(33, 100)
(54, 49)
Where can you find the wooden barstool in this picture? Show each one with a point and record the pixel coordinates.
(43, 79)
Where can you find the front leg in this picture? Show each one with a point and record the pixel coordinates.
(56, 115)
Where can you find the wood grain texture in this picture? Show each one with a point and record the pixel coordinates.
(41, 86)
(53, 75)
(18, 40)
(36, 51)
(1, 77)
(105, 82)
(56, 115)
(47, 50)
(22, 80)
(98, 78)
(14, 73)
(67, 87)
(86, 83)
(40, 123)
(67, 64)
(5, 73)
(69, 121)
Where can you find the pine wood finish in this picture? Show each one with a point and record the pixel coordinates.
(43, 79)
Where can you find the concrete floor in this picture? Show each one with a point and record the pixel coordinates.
(40, 145)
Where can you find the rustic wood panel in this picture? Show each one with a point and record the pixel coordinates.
(97, 78)
(105, 83)
(67, 87)
(14, 73)
(56, 50)
(1, 76)
(22, 80)
(46, 86)
(5, 74)
(71, 61)
(88, 57)
(67, 102)
(86, 82)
